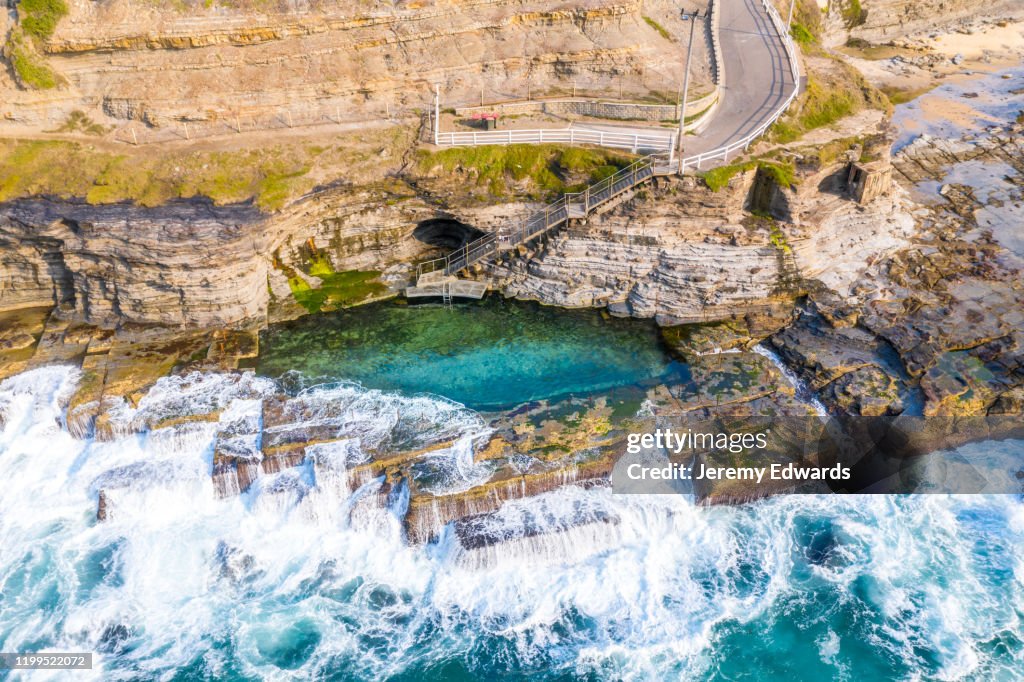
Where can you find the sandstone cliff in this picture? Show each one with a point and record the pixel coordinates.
(683, 253)
(254, 66)
(190, 263)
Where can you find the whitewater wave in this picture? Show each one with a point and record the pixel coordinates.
(301, 576)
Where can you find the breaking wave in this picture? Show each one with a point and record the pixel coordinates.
(307, 575)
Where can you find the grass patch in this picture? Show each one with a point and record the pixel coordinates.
(899, 96)
(662, 31)
(853, 14)
(784, 174)
(828, 99)
(538, 171)
(778, 239)
(278, 185)
(338, 289)
(718, 178)
(858, 47)
(78, 121)
(39, 18)
(29, 66)
(802, 35)
(825, 106)
(807, 22)
(831, 152)
(271, 176)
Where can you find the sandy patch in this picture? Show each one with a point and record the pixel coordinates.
(1005, 40)
(961, 114)
(923, 62)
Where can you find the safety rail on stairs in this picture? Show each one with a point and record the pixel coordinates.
(570, 205)
(580, 204)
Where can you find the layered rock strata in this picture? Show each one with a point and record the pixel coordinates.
(130, 60)
(942, 316)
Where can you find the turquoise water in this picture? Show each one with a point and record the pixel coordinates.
(303, 581)
(488, 355)
(298, 579)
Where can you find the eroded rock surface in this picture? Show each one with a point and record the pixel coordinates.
(945, 312)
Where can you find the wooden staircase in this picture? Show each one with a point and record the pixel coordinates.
(438, 277)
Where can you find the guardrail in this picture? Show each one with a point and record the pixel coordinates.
(560, 211)
(569, 205)
(744, 143)
(637, 142)
(633, 141)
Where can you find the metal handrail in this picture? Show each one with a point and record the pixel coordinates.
(544, 219)
(558, 212)
(634, 141)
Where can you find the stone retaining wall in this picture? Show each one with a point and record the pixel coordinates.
(621, 111)
(717, 62)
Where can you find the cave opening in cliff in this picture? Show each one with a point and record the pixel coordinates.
(445, 233)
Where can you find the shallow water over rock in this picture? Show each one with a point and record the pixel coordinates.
(953, 109)
(489, 355)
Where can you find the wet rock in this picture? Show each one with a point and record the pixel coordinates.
(951, 304)
(233, 475)
(428, 514)
(15, 340)
(114, 638)
(850, 368)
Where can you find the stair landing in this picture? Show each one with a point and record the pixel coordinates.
(439, 285)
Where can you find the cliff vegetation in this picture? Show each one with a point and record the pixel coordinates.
(535, 171)
(270, 175)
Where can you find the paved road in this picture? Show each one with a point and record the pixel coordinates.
(758, 78)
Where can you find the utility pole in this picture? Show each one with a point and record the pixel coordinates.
(437, 113)
(686, 81)
(792, 6)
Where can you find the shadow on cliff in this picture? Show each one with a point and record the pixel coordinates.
(766, 198)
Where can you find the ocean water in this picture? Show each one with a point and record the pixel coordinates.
(298, 579)
(488, 355)
(301, 579)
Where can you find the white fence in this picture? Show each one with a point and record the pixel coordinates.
(632, 141)
(636, 142)
(743, 143)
